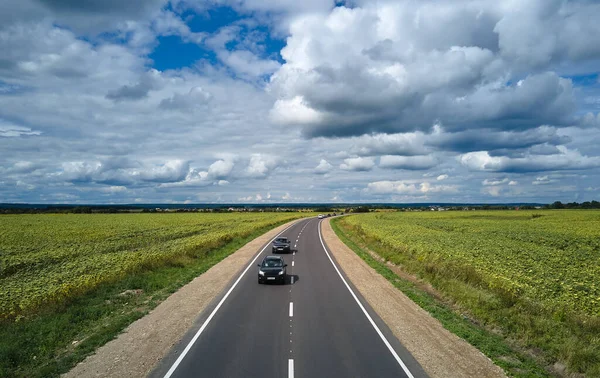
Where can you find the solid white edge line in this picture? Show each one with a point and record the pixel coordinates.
(290, 368)
(291, 309)
(212, 314)
(385, 341)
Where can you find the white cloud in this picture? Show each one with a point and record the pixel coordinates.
(408, 162)
(493, 182)
(565, 160)
(261, 165)
(220, 169)
(409, 188)
(323, 167)
(405, 66)
(294, 111)
(442, 177)
(407, 144)
(195, 98)
(358, 164)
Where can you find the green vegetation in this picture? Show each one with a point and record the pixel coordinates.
(69, 283)
(532, 277)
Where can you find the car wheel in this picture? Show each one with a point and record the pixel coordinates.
(259, 281)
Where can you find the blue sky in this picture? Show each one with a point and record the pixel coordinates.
(264, 101)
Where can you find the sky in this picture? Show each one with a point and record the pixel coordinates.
(261, 101)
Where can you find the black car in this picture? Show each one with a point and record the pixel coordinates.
(272, 269)
(281, 245)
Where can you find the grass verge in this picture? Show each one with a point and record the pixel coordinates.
(513, 360)
(59, 337)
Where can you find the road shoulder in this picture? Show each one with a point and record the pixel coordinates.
(438, 351)
(142, 345)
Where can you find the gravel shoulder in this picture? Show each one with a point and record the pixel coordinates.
(440, 352)
(136, 351)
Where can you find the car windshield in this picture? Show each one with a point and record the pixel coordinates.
(281, 240)
(272, 263)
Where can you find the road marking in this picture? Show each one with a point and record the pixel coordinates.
(385, 341)
(294, 254)
(293, 263)
(291, 309)
(290, 368)
(292, 280)
(212, 314)
(295, 245)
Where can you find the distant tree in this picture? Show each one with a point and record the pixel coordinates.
(557, 205)
(82, 210)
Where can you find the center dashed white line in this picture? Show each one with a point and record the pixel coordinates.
(293, 263)
(291, 309)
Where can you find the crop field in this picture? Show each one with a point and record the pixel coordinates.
(533, 274)
(50, 258)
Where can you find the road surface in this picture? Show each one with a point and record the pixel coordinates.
(316, 325)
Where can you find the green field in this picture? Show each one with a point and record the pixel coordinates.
(535, 276)
(51, 258)
(63, 276)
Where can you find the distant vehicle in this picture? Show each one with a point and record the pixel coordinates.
(321, 216)
(281, 245)
(272, 269)
(328, 215)
(334, 214)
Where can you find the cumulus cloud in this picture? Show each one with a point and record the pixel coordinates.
(220, 169)
(323, 167)
(196, 97)
(442, 177)
(122, 172)
(565, 160)
(407, 187)
(358, 164)
(149, 81)
(487, 139)
(401, 67)
(414, 163)
(406, 144)
(261, 165)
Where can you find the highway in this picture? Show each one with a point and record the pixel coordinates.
(316, 325)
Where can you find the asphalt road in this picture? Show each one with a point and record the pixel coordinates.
(313, 326)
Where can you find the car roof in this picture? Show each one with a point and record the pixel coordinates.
(273, 257)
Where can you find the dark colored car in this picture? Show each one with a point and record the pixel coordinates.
(272, 269)
(281, 245)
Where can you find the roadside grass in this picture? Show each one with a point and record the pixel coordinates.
(58, 337)
(515, 360)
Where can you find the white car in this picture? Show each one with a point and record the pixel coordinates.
(321, 216)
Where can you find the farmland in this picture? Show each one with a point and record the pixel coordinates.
(535, 276)
(48, 259)
(82, 278)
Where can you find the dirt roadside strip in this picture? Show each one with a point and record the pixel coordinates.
(440, 352)
(136, 351)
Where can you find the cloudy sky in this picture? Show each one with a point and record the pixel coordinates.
(110, 101)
